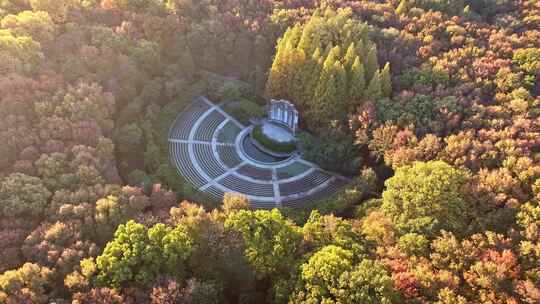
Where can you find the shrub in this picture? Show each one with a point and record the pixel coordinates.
(260, 137)
(243, 110)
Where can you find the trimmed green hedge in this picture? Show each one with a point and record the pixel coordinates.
(268, 143)
(243, 110)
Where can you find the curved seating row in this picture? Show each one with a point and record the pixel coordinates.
(305, 184)
(215, 192)
(262, 205)
(181, 159)
(229, 156)
(332, 187)
(206, 160)
(255, 173)
(229, 133)
(291, 170)
(209, 124)
(185, 121)
(246, 187)
(284, 175)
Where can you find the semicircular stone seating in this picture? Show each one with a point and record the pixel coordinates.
(203, 150)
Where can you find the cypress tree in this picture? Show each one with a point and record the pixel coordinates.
(326, 91)
(325, 66)
(283, 41)
(316, 55)
(327, 50)
(374, 91)
(300, 76)
(403, 7)
(329, 12)
(371, 64)
(306, 41)
(313, 74)
(316, 64)
(333, 55)
(350, 55)
(386, 81)
(296, 34)
(357, 83)
(339, 109)
(288, 69)
(361, 48)
(276, 83)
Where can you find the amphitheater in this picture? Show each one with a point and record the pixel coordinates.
(206, 147)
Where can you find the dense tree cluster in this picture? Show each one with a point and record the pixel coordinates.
(430, 106)
(327, 66)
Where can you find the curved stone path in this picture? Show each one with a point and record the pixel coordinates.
(205, 146)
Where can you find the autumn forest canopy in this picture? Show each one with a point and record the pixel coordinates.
(430, 108)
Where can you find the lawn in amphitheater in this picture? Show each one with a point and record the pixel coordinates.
(212, 151)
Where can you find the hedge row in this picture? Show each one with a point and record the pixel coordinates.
(268, 143)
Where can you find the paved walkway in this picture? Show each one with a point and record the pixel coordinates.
(292, 182)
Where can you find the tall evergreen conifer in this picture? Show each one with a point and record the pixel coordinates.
(386, 81)
(357, 83)
(374, 90)
(403, 7)
(339, 109)
(275, 85)
(300, 76)
(371, 64)
(325, 66)
(350, 55)
(326, 93)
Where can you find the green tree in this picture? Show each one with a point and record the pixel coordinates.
(528, 59)
(279, 74)
(371, 63)
(148, 55)
(300, 78)
(204, 293)
(152, 157)
(51, 168)
(271, 241)
(129, 138)
(58, 9)
(37, 25)
(28, 284)
(129, 257)
(19, 53)
(320, 275)
(327, 93)
(357, 82)
(21, 195)
(413, 244)
(138, 254)
(368, 282)
(374, 90)
(154, 7)
(313, 66)
(331, 276)
(427, 197)
(403, 7)
(349, 58)
(386, 81)
(234, 202)
(323, 230)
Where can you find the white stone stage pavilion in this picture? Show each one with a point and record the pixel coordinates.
(283, 112)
